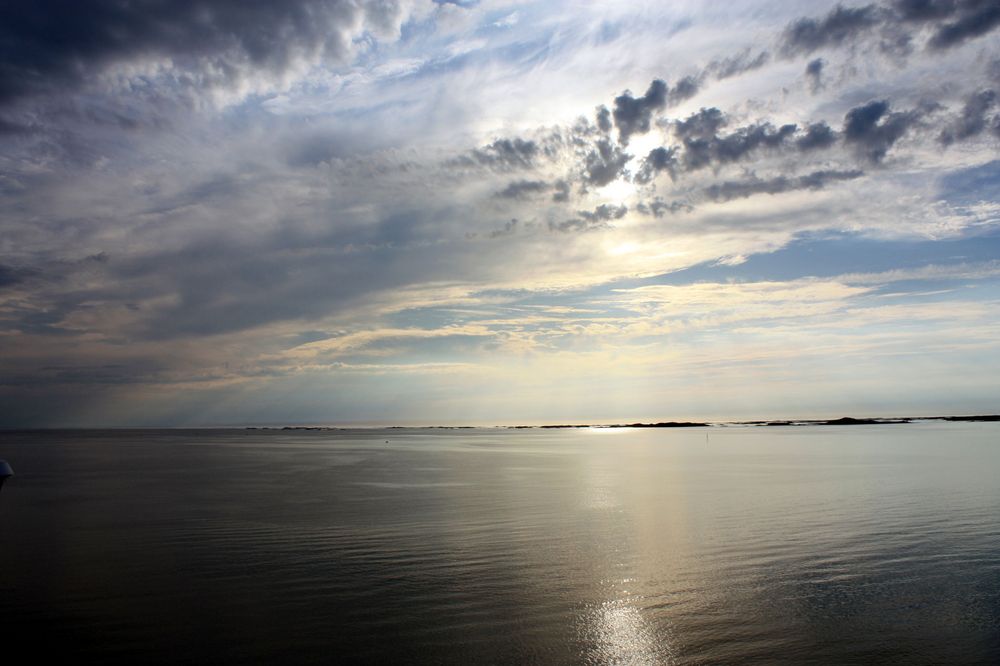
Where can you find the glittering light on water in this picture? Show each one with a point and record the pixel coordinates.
(619, 634)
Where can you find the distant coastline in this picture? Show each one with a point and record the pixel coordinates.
(843, 421)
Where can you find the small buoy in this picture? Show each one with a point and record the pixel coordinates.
(5, 472)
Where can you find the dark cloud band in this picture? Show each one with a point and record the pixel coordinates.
(48, 47)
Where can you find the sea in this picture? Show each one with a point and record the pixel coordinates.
(863, 544)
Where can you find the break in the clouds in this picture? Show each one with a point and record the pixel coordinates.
(326, 211)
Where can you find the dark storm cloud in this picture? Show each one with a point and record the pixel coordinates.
(520, 189)
(51, 46)
(633, 114)
(840, 25)
(735, 65)
(814, 75)
(658, 207)
(973, 119)
(604, 163)
(817, 135)
(658, 159)
(729, 190)
(872, 128)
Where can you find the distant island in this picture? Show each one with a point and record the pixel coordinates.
(843, 421)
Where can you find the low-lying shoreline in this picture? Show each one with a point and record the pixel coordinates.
(843, 421)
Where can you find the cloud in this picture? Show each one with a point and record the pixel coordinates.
(924, 10)
(973, 119)
(658, 159)
(703, 147)
(509, 228)
(561, 193)
(729, 190)
(817, 136)
(49, 47)
(953, 22)
(507, 154)
(605, 212)
(814, 75)
(603, 119)
(520, 189)
(604, 163)
(658, 207)
(703, 124)
(10, 276)
(872, 128)
(734, 65)
(839, 26)
(975, 18)
(599, 218)
(633, 114)
(683, 90)
(735, 146)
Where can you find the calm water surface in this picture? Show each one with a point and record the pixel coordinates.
(862, 544)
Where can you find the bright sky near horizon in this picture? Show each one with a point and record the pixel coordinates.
(497, 212)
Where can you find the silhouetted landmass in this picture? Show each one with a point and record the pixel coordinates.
(984, 417)
(665, 424)
(847, 420)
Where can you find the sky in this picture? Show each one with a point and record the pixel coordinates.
(497, 212)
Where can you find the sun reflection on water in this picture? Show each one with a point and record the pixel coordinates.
(617, 633)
